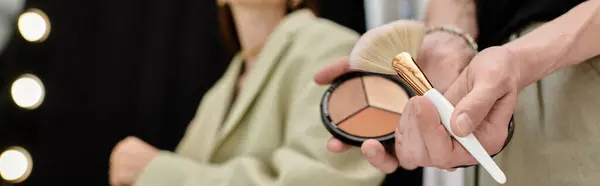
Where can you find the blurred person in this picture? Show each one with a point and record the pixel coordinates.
(259, 125)
(539, 60)
(8, 12)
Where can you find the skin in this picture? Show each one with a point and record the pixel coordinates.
(255, 20)
(484, 94)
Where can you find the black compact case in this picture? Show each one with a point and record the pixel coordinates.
(354, 110)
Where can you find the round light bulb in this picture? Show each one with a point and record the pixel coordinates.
(28, 91)
(34, 25)
(15, 164)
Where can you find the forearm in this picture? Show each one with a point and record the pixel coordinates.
(567, 40)
(458, 13)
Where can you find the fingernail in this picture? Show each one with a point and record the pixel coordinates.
(463, 123)
(371, 153)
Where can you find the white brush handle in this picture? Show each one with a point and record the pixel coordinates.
(470, 142)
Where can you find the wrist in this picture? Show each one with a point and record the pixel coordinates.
(442, 57)
(456, 32)
(460, 13)
(437, 45)
(448, 40)
(529, 69)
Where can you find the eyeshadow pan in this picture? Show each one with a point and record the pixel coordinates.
(360, 106)
(385, 94)
(347, 99)
(371, 122)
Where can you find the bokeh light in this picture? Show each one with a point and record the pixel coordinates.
(28, 91)
(15, 164)
(34, 25)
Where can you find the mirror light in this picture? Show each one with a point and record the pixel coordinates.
(28, 91)
(34, 25)
(15, 164)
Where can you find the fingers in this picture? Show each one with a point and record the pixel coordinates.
(326, 75)
(412, 148)
(372, 150)
(435, 136)
(378, 157)
(337, 146)
(402, 154)
(493, 131)
(472, 109)
(423, 140)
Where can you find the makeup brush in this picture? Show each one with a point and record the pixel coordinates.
(376, 49)
(388, 50)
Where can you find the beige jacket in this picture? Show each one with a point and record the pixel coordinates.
(272, 135)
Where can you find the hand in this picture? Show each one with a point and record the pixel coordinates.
(128, 159)
(442, 57)
(485, 96)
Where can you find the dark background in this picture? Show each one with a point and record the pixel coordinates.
(114, 68)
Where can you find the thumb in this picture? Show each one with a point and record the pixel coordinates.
(338, 67)
(472, 109)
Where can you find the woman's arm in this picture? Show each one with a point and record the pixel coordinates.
(567, 40)
(458, 13)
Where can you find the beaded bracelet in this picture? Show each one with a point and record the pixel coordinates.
(458, 32)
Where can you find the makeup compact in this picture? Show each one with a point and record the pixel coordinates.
(360, 106)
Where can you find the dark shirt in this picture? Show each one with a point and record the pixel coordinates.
(498, 19)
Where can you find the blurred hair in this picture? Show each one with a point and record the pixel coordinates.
(228, 31)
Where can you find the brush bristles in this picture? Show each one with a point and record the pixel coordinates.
(376, 49)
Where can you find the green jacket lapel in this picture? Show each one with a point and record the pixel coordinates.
(267, 60)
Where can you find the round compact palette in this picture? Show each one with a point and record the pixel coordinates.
(360, 106)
